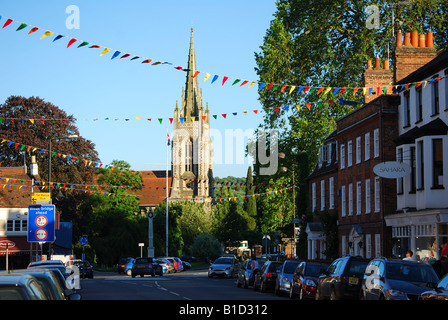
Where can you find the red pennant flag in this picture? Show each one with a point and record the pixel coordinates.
(306, 89)
(204, 117)
(95, 46)
(195, 74)
(72, 41)
(244, 82)
(224, 115)
(270, 86)
(33, 30)
(330, 102)
(125, 56)
(224, 80)
(343, 90)
(276, 109)
(171, 120)
(7, 23)
(309, 106)
(147, 61)
(255, 111)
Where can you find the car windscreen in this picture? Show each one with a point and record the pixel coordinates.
(290, 267)
(314, 270)
(223, 261)
(274, 266)
(410, 273)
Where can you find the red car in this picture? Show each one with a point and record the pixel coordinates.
(305, 278)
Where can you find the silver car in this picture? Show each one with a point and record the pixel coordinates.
(223, 266)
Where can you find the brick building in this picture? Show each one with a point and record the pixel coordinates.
(365, 138)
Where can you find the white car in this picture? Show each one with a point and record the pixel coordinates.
(223, 266)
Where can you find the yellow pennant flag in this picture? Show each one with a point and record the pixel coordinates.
(326, 91)
(426, 83)
(298, 107)
(46, 34)
(292, 89)
(105, 51)
(364, 90)
(253, 82)
(206, 76)
(32, 121)
(138, 118)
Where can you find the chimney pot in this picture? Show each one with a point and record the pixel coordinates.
(414, 38)
(399, 41)
(369, 64)
(386, 65)
(407, 39)
(421, 41)
(429, 39)
(377, 63)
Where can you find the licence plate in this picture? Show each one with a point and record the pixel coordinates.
(141, 266)
(352, 280)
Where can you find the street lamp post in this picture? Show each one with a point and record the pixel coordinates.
(285, 169)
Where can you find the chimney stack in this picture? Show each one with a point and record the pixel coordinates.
(412, 53)
(377, 77)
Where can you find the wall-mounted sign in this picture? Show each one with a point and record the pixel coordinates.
(392, 169)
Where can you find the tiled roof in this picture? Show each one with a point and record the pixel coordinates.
(154, 187)
(14, 197)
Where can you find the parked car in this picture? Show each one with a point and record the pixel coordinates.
(386, 279)
(180, 266)
(172, 261)
(45, 262)
(85, 269)
(265, 279)
(305, 278)
(124, 265)
(146, 266)
(342, 279)
(62, 275)
(284, 277)
(20, 287)
(186, 265)
(438, 292)
(223, 266)
(243, 277)
(167, 266)
(50, 284)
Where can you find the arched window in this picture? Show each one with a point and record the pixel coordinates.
(188, 155)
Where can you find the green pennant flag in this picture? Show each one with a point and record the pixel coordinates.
(160, 120)
(214, 116)
(312, 90)
(84, 43)
(22, 26)
(236, 81)
(52, 155)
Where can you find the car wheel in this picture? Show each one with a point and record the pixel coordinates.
(245, 285)
(262, 286)
(129, 272)
(238, 283)
(291, 293)
(142, 275)
(301, 296)
(333, 294)
(318, 295)
(133, 275)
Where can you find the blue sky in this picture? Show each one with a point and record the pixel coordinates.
(89, 86)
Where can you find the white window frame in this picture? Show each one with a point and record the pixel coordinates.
(322, 195)
(343, 202)
(376, 143)
(350, 199)
(358, 197)
(331, 193)
(368, 196)
(349, 153)
(367, 146)
(368, 246)
(313, 196)
(377, 194)
(358, 150)
(342, 156)
(377, 245)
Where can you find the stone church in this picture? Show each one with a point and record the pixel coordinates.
(192, 150)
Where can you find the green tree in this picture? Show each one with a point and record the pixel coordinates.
(114, 226)
(206, 247)
(175, 240)
(250, 203)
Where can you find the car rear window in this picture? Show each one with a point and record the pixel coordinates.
(357, 267)
(274, 266)
(290, 267)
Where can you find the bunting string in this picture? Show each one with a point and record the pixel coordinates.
(274, 87)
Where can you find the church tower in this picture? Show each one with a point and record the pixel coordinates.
(192, 150)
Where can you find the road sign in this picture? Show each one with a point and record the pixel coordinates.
(83, 241)
(41, 196)
(41, 223)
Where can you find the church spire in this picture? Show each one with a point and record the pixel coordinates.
(192, 101)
